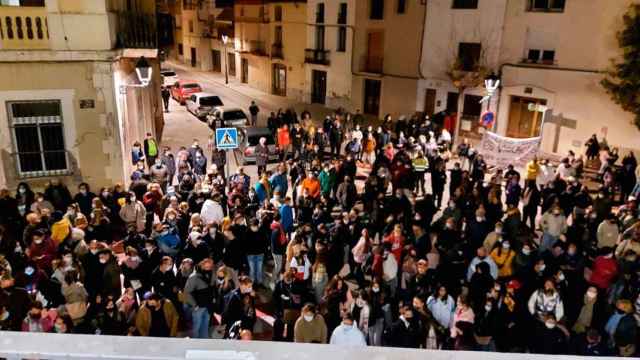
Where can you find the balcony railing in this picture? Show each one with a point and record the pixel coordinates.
(276, 51)
(23, 27)
(317, 56)
(254, 47)
(371, 64)
(137, 30)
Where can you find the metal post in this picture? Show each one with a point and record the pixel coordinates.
(226, 164)
(226, 66)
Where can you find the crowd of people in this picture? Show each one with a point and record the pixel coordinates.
(511, 262)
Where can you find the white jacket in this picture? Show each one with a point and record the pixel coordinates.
(347, 336)
(211, 212)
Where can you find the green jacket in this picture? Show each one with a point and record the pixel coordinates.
(327, 181)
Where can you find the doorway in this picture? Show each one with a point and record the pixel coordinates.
(318, 86)
(279, 79)
(375, 52)
(524, 123)
(231, 62)
(430, 102)
(194, 60)
(216, 61)
(244, 64)
(372, 96)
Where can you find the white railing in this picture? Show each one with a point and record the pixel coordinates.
(17, 345)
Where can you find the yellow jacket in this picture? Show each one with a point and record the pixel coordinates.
(533, 169)
(504, 260)
(60, 230)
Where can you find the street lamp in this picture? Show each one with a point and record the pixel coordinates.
(225, 40)
(491, 84)
(144, 71)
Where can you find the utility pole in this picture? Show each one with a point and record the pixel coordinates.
(225, 40)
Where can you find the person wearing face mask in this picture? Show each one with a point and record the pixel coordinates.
(584, 320)
(41, 204)
(256, 243)
(503, 256)
(608, 232)
(75, 296)
(481, 257)
(553, 224)
(110, 274)
(36, 320)
(163, 280)
(404, 332)
(198, 298)
(24, 198)
(494, 238)
(347, 333)
(84, 198)
(196, 248)
(549, 338)
(239, 305)
(157, 317)
(58, 194)
(42, 250)
(110, 320)
(310, 327)
(16, 301)
(159, 173)
(604, 269)
(546, 301)
(133, 212)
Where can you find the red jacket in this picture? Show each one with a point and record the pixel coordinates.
(604, 271)
(42, 254)
(283, 137)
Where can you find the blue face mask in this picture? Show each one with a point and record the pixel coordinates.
(29, 270)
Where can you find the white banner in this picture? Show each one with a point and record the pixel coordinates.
(501, 151)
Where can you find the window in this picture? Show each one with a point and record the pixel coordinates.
(277, 38)
(342, 14)
(546, 5)
(465, 4)
(342, 39)
(402, 6)
(537, 56)
(180, 49)
(320, 13)
(376, 9)
(278, 13)
(469, 56)
(319, 37)
(38, 137)
(191, 26)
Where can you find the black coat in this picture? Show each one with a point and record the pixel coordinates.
(402, 336)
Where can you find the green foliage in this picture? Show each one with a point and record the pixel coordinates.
(623, 79)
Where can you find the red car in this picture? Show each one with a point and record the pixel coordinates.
(183, 89)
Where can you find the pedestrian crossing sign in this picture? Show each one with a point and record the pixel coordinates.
(226, 138)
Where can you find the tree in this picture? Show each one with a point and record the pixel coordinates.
(623, 79)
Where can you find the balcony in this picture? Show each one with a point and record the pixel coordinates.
(317, 56)
(276, 51)
(371, 64)
(137, 31)
(253, 47)
(23, 27)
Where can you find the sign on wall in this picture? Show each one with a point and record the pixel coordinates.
(501, 151)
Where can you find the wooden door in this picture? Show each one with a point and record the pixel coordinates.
(280, 79)
(372, 89)
(245, 70)
(231, 61)
(319, 86)
(216, 61)
(524, 123)
(194, 59)
(430, 102)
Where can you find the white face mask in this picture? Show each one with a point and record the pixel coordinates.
(22, 190)
(103, 261)
(550, 324)
(506, 245)
(308, 318)
(375, 289)
(561, 277)
(592, 294)
(526, 251)
(487, 307)
(37, 241)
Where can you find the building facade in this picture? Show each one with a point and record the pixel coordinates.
(328, 54)
(387, 44)
(548, 55)
(65, 109)
(270, 38)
